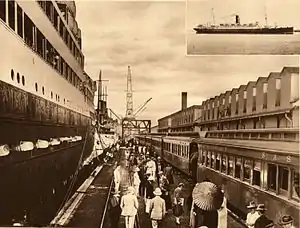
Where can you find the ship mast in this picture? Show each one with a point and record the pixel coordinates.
(213, 15)
(266, 17)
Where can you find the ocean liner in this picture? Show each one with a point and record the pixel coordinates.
(238, 28)
(46, 108)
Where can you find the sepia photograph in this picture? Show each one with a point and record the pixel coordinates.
(232, 27)
(106, 122)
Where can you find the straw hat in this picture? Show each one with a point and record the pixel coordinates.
(157, 192)
(180, 185)
(251, 205)
(261, 207)
(207, 196)
(286, 219)
(136, 169)
(130, 190)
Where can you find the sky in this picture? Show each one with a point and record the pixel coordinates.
(280, 12)
(150, 37)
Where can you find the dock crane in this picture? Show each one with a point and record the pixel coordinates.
(142, 108)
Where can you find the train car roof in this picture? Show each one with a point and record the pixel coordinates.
(181, 138)
(269, 146)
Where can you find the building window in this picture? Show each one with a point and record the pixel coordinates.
(51, 95)
(237, 103)
(278, 92)
(254, 99)
(265, 95)
(43, 90)
(245, 102)
(2, 10)
(36, 87)
(272, 171)
(20, 21)
(11, 14)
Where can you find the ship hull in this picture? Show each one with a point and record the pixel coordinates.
(36, 181)
(286, 30)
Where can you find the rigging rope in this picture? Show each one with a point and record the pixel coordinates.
(69, 191)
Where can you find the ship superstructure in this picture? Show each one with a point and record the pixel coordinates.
(46, 108)
(238, 28)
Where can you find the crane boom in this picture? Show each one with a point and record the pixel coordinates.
(140, 109)
(115, 114)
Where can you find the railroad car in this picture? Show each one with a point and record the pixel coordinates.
(264, 171)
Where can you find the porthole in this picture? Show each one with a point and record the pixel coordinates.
(43, 90)
(23, 80)
(36, 87)
(12, 74)
(18, 77)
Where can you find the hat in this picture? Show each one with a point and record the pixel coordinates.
(261, 207)
(160, 172)
(136, 169)
(286, 219)
(207, 196)
(151, 178)
(130, 189)
(157, 192)
(251, 205)
(180, 184)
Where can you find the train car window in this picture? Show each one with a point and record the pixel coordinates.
(295, 185)
(256, 173)
(224, 163)
(272, 171)
(213, 160)
(283, 178)
(238, 167)
(218, 161)
(247, 170)
(208, 159)
(204, 157)
(230, 165)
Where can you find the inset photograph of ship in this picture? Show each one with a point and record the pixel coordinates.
(232, 27)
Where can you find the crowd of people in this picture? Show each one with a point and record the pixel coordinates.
(152, 180)
(256, 218)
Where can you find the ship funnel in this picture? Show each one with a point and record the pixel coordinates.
(237, 19)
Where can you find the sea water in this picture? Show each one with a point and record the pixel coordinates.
(242, 44)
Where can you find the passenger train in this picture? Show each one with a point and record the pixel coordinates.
(250, 165)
